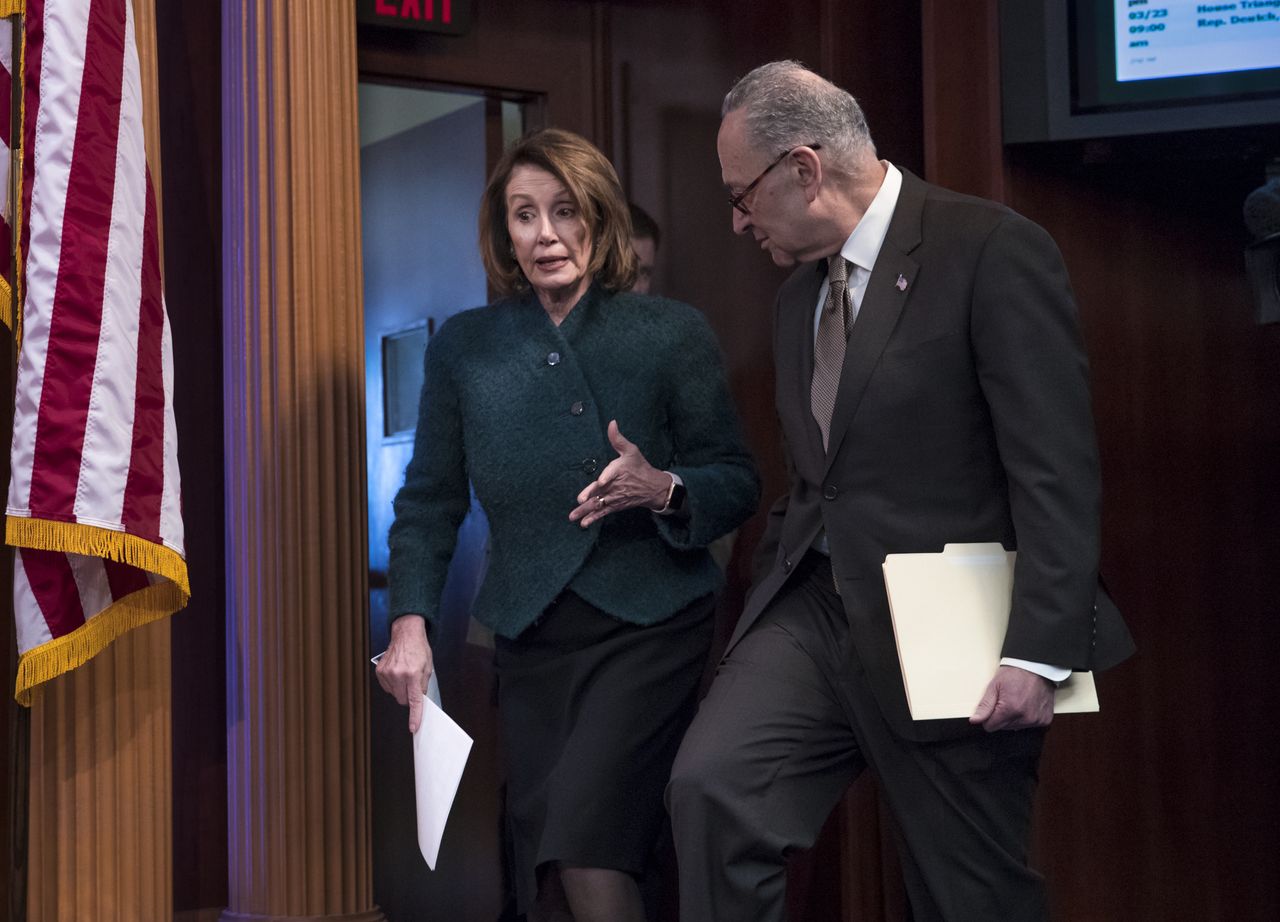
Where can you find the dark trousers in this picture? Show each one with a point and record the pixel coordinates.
(788, 724)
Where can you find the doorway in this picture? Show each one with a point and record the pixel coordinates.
(425, 154)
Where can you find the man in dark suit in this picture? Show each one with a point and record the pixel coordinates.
(932, 388)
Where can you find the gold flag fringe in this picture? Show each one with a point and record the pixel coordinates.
(51, 659)
(78, 538)
(6, 304)
(13, 7)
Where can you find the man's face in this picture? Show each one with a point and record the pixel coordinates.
(646, 252)
(773, 218)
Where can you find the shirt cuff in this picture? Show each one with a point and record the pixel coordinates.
(1052, 673)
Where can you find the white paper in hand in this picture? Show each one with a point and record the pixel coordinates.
(440, 750)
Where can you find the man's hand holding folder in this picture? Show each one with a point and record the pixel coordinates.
(1015, 699)
(950, 613)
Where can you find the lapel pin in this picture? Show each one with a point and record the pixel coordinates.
(901, 283)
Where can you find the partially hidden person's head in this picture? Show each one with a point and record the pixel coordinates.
(553, 217)
(646, 236)
(789, 142)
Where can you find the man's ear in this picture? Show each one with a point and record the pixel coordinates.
(808, 169)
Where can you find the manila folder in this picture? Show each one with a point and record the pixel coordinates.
(950, 612)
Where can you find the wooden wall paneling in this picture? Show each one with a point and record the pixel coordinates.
(869, 873)
(15, 725)
(1184, 392)
(190, 115)
(874, 50)
(492, 133)
(544, 48)
(1161, 806)
(602, 77)
(960, 66)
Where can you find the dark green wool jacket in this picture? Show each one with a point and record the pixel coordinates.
(520, 408)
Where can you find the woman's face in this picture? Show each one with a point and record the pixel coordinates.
(550, 238)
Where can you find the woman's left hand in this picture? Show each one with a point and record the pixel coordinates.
(626, 482)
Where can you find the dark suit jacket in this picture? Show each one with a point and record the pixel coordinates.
(962, 415)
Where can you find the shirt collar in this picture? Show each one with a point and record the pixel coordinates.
(863, 245)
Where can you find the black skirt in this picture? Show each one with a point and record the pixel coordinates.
(592, 711)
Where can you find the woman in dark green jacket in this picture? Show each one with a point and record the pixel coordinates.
(597, 431)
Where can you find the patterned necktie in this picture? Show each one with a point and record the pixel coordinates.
(829, 347)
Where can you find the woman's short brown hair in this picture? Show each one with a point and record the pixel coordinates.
(592, 182)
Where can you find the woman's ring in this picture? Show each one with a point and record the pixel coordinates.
(601, 501)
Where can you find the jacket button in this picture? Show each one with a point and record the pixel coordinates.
(577, 408)
(589, 466)
(786, 565)
(830, 491)
(553, 358)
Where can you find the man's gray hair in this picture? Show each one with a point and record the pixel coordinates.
(788, 105)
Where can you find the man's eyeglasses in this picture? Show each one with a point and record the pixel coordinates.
(737, 200)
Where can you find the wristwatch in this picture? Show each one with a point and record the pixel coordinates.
(675, 496)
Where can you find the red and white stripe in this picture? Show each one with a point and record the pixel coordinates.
(94, 440)
(6, 144)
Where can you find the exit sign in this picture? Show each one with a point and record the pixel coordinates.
(452, 17)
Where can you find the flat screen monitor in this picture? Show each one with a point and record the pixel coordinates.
(1101, 68)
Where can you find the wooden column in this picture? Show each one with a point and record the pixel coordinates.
(100, 835)
(297, 583)
(101, 844)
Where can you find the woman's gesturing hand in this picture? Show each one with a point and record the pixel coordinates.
(626, 482)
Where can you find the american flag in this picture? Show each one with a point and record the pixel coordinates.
(94, 506)
(7, 8)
